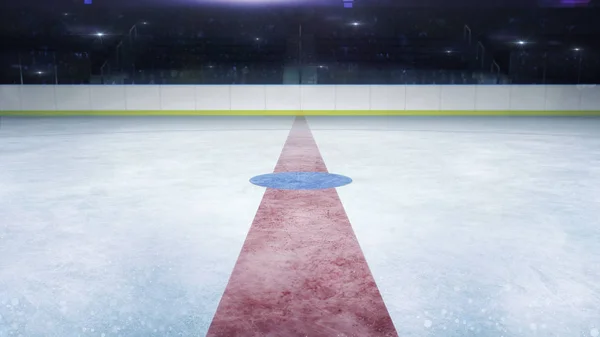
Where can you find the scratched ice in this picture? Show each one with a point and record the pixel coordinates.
(103, 234)
(475, 226)
(116, 227)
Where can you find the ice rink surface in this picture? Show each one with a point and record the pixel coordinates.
(131, 226)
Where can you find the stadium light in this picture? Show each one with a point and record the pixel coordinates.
(39, 72)
(576, 49)
(252, 2)
(100, 34)
(355, 23)
(521, 42)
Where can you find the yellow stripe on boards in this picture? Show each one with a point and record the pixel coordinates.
(301, 113)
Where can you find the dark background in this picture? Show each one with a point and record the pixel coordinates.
(287, 42)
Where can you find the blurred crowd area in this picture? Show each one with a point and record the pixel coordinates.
(309, 46)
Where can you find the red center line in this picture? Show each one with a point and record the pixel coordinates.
(301, 271)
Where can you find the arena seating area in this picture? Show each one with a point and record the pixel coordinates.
(370, 46)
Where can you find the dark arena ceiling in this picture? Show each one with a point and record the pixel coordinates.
(370, 30)
(498, 20)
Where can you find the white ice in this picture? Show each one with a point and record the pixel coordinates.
(475, 226)
(131, 226)
(125, 226)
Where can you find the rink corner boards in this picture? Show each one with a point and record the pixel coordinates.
(300, 113)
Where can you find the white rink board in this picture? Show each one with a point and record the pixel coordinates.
(501, 98)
